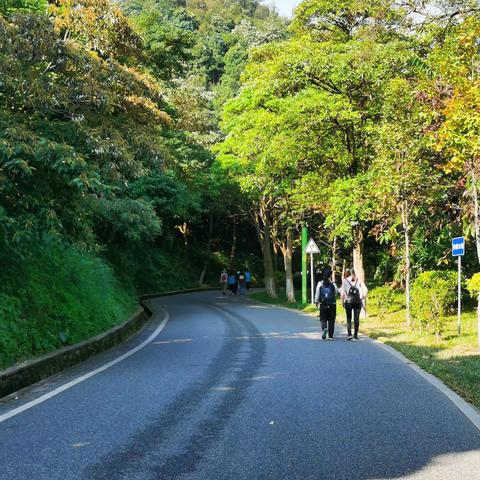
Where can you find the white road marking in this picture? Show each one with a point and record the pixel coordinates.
(80, 445)
(72, 383)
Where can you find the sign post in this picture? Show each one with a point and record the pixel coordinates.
(304, 264)
(458, 250)
(312, 248)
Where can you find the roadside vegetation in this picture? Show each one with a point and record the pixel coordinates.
(108, 186)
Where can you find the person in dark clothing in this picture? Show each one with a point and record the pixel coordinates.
(241, 283)
(232, 283)
(248, 279)
(325, 297)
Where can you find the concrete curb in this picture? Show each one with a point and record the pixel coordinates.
(27, 373)
(148, 296)
(32, 371)
(469, 410)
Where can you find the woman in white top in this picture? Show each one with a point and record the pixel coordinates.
(353, 295)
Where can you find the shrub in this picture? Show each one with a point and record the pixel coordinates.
(55, 296)
(433, 297)
(383, 298)
(473, 285)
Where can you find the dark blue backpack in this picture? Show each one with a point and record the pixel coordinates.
(327, 294)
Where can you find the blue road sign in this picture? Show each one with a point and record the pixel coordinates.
(458, 246)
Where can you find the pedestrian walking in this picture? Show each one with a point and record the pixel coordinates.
(325, 297)
(224, 281)
(232, 283)
(241, 283)
(353, 295)
(248, 279)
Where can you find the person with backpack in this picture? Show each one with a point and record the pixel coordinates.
(353, 296)
(326, 298)
(224, 281)
(232, 283)
(241, 283)
(248, 279)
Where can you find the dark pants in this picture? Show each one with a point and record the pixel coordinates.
(355, 309)
(327, 318)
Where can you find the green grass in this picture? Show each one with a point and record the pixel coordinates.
(59, 296)
(54, 297)
(455, 360)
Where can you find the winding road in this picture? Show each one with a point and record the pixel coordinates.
(233, 389)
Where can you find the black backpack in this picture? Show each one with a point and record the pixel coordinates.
(353, 297)
(327, 294)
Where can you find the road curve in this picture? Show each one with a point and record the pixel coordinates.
(232, 389)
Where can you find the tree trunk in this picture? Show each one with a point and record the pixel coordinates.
(406, 232)
(183, 229)
(267, 259)
(290, 289)
(275, 257)
(476, 210)
(358, 255)
(233, 250)
(334, 260)
(209, 244)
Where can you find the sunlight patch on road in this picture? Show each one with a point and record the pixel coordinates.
(452, 466)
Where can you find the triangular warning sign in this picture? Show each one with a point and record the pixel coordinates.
(312, 247)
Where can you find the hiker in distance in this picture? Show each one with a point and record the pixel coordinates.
(325, 297)
(224, 281)
(353, 295)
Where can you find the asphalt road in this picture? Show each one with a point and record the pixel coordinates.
(232, 389)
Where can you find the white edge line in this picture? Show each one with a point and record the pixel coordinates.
(471, 412)
(72, 383)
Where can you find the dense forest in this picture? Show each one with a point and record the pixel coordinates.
(145, 145)
(108, 184)
(364, 125)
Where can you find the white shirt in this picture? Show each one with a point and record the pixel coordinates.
(347, 283)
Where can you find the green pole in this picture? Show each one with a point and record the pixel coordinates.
(304, 264)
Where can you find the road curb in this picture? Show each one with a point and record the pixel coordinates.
(32, 371)
(469, 410)
(149, 296)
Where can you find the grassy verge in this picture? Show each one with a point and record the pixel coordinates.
(54, 297)
(59, 295)
(455, 360)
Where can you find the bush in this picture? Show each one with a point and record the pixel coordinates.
(383, 298)
(473, 285)
(434, 295)
(157, 270)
